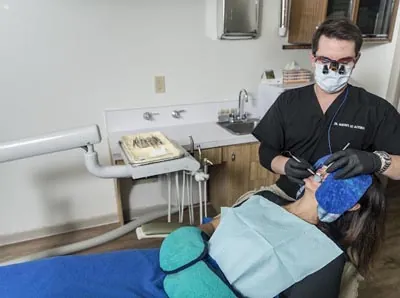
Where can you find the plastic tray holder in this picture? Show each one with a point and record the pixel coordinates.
(142, 156)
(179, 161)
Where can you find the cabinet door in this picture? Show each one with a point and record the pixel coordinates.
(305, 16)
(239, 172)
(259, 176)
(376, 19)
(341, 8)
(212, 154)
(237, 160)
(229, 180)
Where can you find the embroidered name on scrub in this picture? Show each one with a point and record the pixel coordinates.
(353, 126)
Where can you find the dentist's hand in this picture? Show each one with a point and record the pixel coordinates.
(351, 162)
(297, 171)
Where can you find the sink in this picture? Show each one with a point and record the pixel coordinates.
(243, 127)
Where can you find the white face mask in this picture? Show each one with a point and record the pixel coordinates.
(331, 82)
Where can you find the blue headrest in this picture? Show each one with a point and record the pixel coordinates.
(336, 196)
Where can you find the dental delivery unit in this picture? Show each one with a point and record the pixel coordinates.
(145, 155)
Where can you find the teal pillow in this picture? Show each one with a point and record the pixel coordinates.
(183, 256)
(183, 247)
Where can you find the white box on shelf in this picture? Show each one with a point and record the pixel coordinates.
(269, 92)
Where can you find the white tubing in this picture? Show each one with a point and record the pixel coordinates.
(205, 197)
(169, 196)
(178, 199)
(191, 209)
(93, 166)
(190, 202)
(183, 196)
(89, 243)
(205, 186)
(201, 203)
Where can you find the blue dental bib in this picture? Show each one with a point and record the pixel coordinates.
(263, 249)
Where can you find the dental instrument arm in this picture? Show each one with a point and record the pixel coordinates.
(81, 137)
(85, 138)
(94, 167)
(62, 140)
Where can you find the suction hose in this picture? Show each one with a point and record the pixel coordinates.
(93, 242)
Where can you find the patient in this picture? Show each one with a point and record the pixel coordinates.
(159, 272)
(360, 228)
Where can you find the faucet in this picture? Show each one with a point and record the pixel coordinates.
(242, 115)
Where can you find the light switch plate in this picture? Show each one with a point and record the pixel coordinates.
(159, 84)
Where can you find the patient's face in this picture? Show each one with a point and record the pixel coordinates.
(311, 185)
(309, 199)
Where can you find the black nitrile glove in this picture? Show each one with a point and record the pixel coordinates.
(351, 162)
(297, 171)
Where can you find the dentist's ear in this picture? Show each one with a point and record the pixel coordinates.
(357, 58)
(354, 208)
(312, 59)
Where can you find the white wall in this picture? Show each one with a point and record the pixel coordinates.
(64, 62)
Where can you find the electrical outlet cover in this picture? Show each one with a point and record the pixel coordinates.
(159, 84)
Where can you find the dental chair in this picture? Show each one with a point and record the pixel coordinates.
(85, 138)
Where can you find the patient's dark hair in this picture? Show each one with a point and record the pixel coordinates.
(362, 230)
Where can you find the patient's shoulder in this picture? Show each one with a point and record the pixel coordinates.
(324, 283)
(270, 196)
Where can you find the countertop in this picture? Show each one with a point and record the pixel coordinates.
(206, 135)
(198, 121)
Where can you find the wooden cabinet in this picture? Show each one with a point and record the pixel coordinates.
(375, 18)
(236, 169)
(239, 172)
(212, 154)
(305, 16)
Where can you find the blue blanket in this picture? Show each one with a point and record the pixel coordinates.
(120, 274)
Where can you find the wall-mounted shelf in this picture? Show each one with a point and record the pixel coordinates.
(296, 47)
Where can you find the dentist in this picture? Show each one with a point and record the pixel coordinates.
(320, 119)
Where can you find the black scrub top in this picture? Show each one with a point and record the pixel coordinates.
(296, 123)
